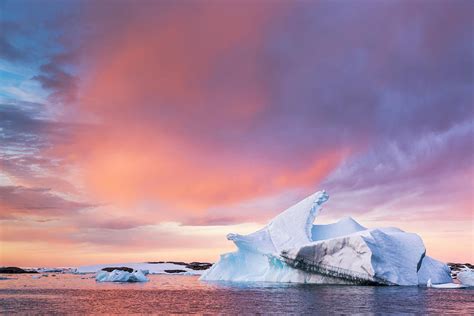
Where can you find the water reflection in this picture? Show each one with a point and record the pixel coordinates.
(186, 294)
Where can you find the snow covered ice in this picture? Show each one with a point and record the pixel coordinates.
(290, 248)
(152, 268)
(121, 276)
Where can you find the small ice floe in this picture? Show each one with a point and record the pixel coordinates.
(51, 270)
(36, 277)
(445, 285)
(122, 274)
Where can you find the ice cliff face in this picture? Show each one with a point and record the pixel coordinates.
(291, 249)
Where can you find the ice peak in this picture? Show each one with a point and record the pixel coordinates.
(293, 226)
(323, 196)
(290, 228)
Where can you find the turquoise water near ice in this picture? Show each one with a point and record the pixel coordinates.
(169, 294)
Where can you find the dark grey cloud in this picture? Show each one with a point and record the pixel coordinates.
(24, 134)
(60, 83)
(21, 127)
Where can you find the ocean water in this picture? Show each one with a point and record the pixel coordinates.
(166, 294)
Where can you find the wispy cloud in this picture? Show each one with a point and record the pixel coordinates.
(18, 201)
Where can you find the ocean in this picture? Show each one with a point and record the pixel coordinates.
(172, 294)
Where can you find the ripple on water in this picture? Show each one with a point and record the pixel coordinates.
(66, 293)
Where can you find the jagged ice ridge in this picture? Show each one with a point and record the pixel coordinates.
(291, 249)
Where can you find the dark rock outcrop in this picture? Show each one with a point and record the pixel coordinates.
(199, 265)
(459, 266)
(175, 271)
(180, 263)
(110, 269)
(15, 270)
(192, 265)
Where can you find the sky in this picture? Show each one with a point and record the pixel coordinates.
(147, 130)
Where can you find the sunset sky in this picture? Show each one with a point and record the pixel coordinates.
(148, 130)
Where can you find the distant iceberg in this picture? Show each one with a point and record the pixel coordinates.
(121, 275)
(291, 249)
(466, 276)
(157, 267)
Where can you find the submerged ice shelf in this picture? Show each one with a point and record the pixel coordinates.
(291, 249)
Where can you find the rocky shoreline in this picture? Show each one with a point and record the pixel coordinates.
(15, 270)
(192, 265)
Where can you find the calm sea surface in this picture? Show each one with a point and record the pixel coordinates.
(164, 294)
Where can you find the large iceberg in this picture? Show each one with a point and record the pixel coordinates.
(291, 249)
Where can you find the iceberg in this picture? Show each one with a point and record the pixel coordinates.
(445, 285)
(435, 270)
(466, 276)
(290, 248)
(121, 275)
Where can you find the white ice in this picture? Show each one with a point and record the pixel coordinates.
(121, 276)
(51, 270)
(152, 268)
(466, 276)
(435, 270)
(387, 254)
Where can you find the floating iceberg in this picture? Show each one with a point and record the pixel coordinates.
(291, 249)
(466, 276)
(121, 276)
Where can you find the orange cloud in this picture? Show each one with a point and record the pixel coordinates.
(174, 63)
(129, 169)
(169, 128)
